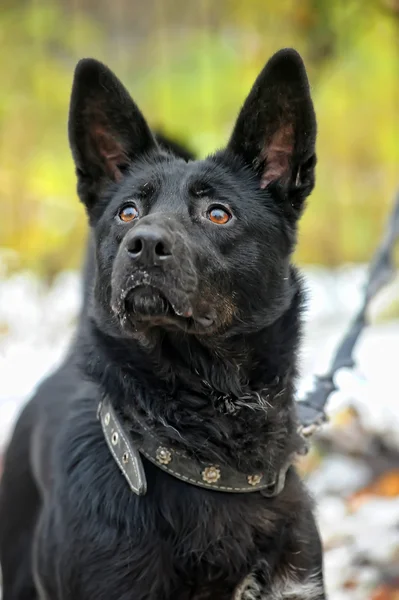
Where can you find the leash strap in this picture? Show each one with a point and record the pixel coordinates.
(311, 410)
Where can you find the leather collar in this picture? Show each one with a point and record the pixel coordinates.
(221, 478)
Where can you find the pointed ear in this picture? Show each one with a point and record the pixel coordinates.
(106, 129)
(275, 132)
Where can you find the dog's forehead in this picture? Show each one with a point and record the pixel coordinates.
(175, 173)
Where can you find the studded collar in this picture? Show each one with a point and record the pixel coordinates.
(127, 455)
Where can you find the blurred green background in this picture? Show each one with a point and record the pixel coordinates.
(189, 65)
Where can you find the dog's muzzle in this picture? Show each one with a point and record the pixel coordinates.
(154, 275)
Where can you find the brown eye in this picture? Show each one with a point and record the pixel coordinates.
(219, 215)
(128, 213)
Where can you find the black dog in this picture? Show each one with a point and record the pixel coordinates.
(181, 380)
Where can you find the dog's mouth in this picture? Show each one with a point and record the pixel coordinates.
(149, 301)
(152, 305)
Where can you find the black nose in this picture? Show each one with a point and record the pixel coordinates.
(149, 245)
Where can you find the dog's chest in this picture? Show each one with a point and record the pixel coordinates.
(178, 542)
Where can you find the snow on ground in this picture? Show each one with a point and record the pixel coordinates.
(361, 538)
(35, 329)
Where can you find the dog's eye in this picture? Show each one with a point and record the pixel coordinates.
(218, 215)
(128, 213)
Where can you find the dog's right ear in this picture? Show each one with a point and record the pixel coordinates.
(106, 129)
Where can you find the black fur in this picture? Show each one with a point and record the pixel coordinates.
(192, 328)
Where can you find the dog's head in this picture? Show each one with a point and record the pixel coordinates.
(201, 246)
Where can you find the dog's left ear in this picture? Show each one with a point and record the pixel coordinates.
(275, 132)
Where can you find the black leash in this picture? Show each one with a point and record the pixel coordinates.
(311, 410)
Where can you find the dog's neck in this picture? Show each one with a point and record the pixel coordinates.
(227, 401)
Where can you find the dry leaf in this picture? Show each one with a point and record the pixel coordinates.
(385, 592)
(386, 486)
(344, 417)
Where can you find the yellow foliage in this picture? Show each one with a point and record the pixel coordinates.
(190, 74)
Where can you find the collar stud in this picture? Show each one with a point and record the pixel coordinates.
(163, 455)
(211, 474)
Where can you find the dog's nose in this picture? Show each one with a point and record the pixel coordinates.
(149, 245)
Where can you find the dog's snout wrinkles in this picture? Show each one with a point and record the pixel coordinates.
(149, 245)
